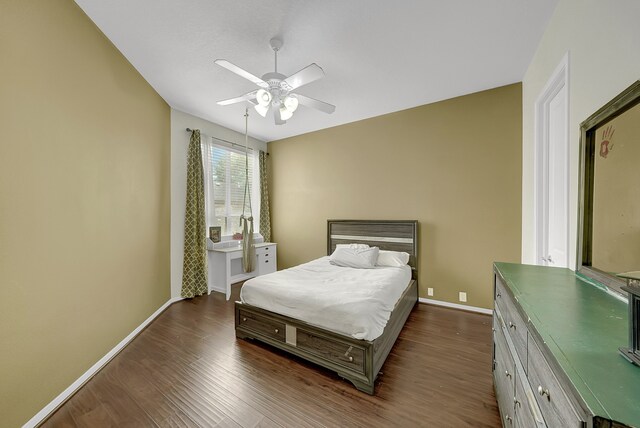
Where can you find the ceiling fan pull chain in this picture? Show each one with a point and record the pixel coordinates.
(247, 193)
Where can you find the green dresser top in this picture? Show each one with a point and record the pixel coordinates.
(583, 326)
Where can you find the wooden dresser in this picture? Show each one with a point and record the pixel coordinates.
(556, 360)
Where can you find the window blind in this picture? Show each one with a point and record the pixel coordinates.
(224, 170)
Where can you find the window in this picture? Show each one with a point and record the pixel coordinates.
(224, 174)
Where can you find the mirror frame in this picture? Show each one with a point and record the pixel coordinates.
(627, 99)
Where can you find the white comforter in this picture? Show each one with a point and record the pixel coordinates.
(353, 302)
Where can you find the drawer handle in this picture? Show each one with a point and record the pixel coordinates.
(244, 319)
(276, 330)
(346, 354)
(516, 402)
(266, 261)
(498, 294)
(507, 374)
(512, 325)
(508, 419)
(544, 392)
(266, 255)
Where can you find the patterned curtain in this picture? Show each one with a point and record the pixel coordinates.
(194, 271)
(265, 217)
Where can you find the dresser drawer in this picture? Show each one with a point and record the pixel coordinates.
(267, 261)
(331, 350)
(556, 407)
(266, 251)
(266, 265)
(513, 321)
(262, 325)
(527, 412)
(503, 373)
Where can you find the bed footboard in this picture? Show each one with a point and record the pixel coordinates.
(357, 361)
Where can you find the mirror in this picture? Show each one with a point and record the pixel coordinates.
(609, 226)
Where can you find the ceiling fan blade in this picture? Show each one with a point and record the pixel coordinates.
(317, 104)
(246, 97)
(242, 73)
(277, 117)
(309, 74)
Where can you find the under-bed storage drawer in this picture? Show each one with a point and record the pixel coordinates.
(332, 350)
(261, 325)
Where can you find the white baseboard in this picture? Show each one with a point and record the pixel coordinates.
(67, 393)
(456, 306)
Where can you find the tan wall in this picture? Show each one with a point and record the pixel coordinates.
(84, 201)
(455, 166)
(601, 38)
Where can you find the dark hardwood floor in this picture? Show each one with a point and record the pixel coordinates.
(188, 369)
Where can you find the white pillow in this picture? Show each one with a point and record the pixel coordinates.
(362, 258)
(355, 246)
(392, 258)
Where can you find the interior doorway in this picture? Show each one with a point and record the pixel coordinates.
(552, 169)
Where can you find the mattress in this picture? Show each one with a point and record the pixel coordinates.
(348, 301)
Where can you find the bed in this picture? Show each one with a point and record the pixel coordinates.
(357, 360)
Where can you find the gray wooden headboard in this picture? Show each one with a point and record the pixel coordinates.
(392, 235)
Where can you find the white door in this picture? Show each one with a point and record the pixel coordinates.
(552, 171)
(557, 235)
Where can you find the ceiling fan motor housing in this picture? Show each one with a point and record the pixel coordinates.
(277, 86)
(275, 44)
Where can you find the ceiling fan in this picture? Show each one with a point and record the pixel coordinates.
(277, 90)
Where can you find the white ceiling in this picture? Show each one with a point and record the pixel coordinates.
(378, 56)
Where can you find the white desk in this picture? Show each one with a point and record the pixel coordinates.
(225, 266)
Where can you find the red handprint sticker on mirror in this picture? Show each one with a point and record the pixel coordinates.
(606, 145)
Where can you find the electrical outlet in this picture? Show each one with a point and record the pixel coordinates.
(462, 296)
(429, 291)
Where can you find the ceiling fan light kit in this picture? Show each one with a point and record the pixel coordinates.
(285, 114)
(276, 90)
(262, 110)
(291, 102)
(263, 97)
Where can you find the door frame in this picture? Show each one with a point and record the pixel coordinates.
(559, 80)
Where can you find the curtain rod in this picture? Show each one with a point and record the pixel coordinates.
(224, 141)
